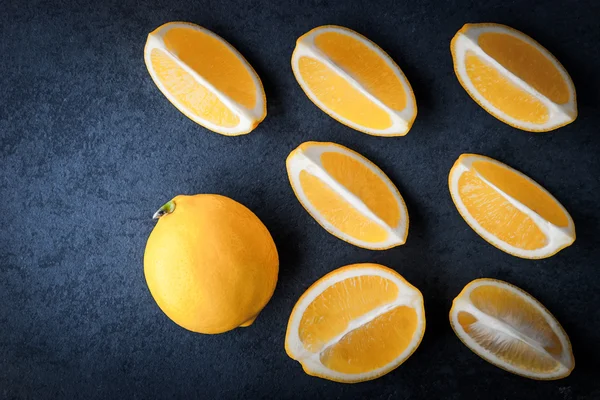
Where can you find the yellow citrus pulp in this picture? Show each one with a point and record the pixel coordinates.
(205, 78)
(509, 209)
(509, 328)
(513, 77)
(348, 195)
(354, 81)
(355, 324)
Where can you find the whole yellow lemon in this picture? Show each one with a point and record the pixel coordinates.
(210, 263)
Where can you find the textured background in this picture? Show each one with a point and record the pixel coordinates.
(90, 149)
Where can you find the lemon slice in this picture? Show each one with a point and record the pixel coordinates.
(354, 81)
(513, 77)
(205, 78)
(509, 209)
(355, 324)
(509, 328)
(348, 195)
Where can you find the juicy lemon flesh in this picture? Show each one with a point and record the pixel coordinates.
(512, 310)
(331, 312)
(365, 65)
(374, 344)
(502, 93)
(339, 212)
(526, 62)
(497, 215)
(339, 96)
(364, 184)
(523, 190)
(194, 97)
(214, 61)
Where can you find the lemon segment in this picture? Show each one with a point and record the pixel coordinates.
(507, 327)
(354, 81)
(205, 78)
(509, 209)
(356, 323)
(348, 195)
(513, 77)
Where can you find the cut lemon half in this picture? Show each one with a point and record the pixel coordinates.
(509, 209)
(513, 77)
(507, 327)
(354, 81)
(355, 324)
(205, 78)
(348, 195)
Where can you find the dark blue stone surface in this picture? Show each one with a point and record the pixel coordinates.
(89, 149)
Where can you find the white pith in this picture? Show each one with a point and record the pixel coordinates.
(559, 114)
(401, 120)
(407, 296)
(556, 237)
(507, 333)
(248, 117)
(310, 161)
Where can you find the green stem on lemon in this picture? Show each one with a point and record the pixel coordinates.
(168, 208)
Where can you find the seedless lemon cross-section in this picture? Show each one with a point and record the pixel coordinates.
(348, 195)
(509, 328)
(509, 209)
(355, 324)
(205, 78)
(513, 77)
(354, 81)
